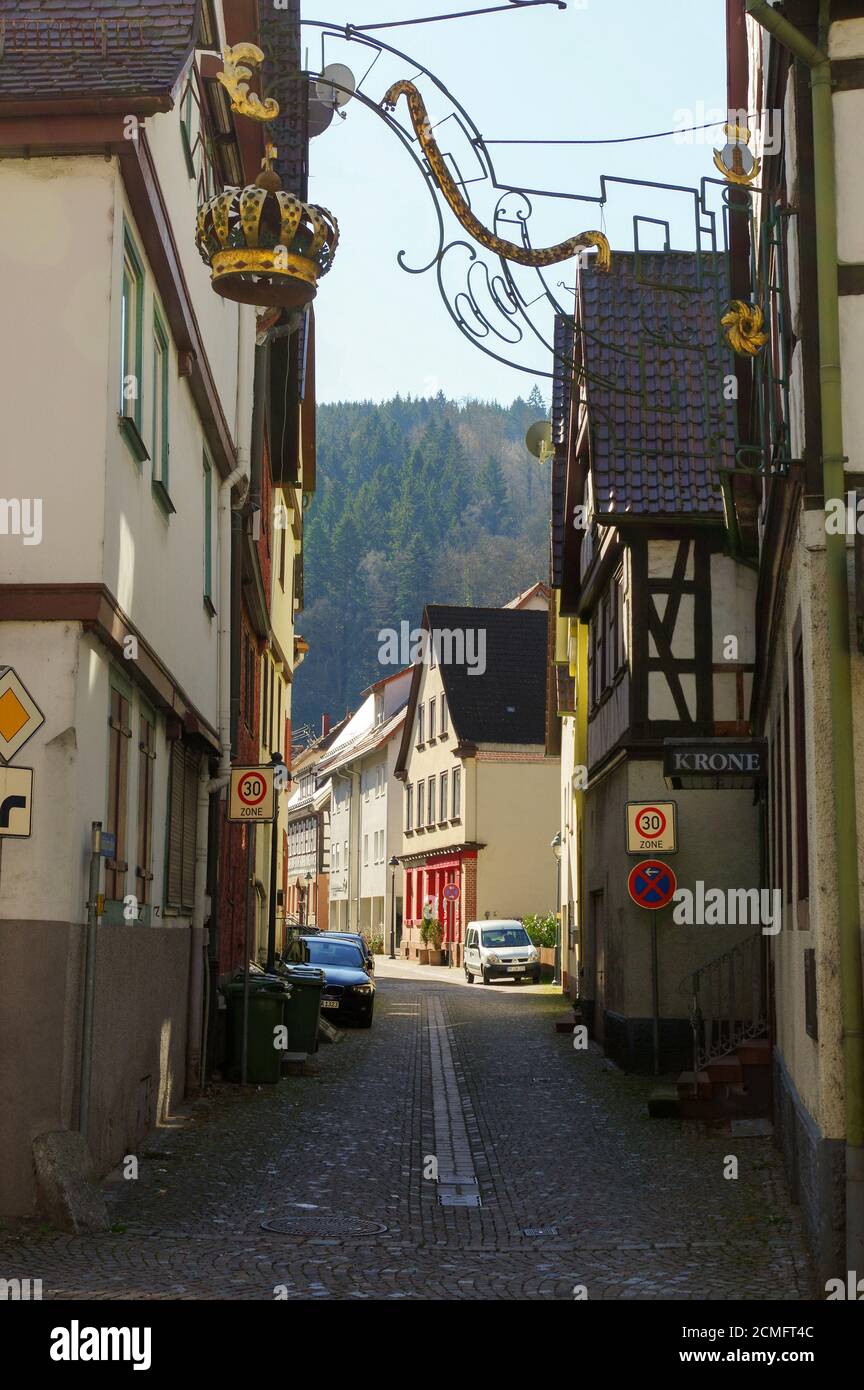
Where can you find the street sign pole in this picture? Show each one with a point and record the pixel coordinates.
(655, 993)
(275, 761)
(247, 946)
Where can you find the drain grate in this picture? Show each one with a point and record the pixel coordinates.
(538, 1232)
(324, 1224)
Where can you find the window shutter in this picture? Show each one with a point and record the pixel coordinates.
(190, 807)
(175, 824)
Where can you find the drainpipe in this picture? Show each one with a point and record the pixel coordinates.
(207, 785)
(344, 777)
(839, 664)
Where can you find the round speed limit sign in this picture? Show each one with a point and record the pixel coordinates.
(651, 827)
(650, 822)
(252, 794)
(252, 789)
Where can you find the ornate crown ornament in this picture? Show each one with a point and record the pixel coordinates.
(263, 245)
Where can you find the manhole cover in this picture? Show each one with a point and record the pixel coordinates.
(310, 1223)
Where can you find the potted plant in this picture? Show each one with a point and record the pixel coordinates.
(423, 948)
(425, 924)
(434, 934)
(543, 931)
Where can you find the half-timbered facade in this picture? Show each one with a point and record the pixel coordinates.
(641, 567)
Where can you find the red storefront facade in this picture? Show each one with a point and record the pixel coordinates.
(426, 877)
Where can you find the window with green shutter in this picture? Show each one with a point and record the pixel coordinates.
(146, 768)
(159, 434)
(182, 813)
(131, 348)
(119, 736)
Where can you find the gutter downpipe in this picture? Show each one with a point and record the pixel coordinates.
(840, 679)
(349, 778)
(207, 785)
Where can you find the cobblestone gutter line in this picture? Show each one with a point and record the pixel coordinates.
(457, 1180)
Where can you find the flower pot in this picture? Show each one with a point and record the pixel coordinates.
(435, 957)
(423, 955)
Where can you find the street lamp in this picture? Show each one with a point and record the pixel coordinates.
(394, 865)
(556, 850)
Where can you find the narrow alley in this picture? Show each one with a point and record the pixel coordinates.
(316, 1189)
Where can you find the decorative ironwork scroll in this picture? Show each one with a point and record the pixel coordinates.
(497, 286)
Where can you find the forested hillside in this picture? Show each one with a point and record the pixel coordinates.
(418, 501)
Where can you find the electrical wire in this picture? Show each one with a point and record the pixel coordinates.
(460, 14)
(619, 140)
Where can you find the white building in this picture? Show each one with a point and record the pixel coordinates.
(365, 828)
(126, 406)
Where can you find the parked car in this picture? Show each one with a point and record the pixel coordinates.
(499, 950)
(349, 992)
(359, 940)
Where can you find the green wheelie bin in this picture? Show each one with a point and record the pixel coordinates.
(269, 996)
(302, 1010)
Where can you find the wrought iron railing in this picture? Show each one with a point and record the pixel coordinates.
(727, 1001)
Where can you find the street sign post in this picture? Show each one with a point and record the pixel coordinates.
(652, 827)
(252, 794)
(16, 802)
(451, 891)
(651, 884)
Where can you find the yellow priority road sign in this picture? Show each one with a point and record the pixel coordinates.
(20, 716)
(651, 827)
(252, 796)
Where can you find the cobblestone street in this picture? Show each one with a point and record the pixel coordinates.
(578, 1187)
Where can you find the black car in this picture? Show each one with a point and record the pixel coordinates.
(358, 940)
(349, 993)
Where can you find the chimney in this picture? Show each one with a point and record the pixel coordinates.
(325, 725)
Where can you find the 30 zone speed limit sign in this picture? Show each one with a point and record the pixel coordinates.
(651, 827)
(252, 797)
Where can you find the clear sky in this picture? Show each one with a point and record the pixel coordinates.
(597, 70)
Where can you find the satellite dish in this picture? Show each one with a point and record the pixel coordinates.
(538, 440)
(336, 85)
(320, 112)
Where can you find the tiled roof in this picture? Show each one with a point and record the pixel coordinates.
(363, 742)
(94, 49)
(507, 703)
(659, 425)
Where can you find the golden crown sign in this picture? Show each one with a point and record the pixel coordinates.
(263, 245)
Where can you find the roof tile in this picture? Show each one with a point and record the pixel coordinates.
(660, 427)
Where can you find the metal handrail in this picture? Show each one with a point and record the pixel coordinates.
(727, 1002)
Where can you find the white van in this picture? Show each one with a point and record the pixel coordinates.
(500, 949)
